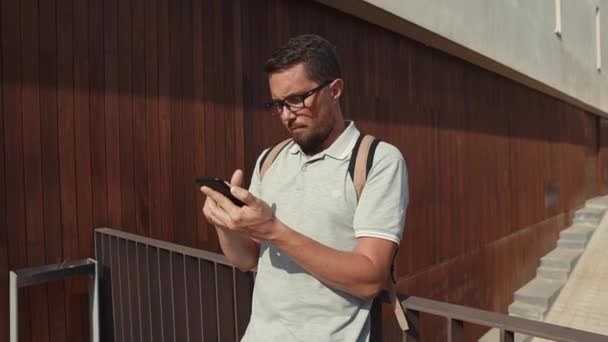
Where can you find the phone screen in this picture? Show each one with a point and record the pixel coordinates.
(220, 186)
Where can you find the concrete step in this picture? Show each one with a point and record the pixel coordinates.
(588, 215)
(600, 202)
(577, 232)
(553, 273)
(571, 244)
(527, 311)
(564, 258)
(539, 292)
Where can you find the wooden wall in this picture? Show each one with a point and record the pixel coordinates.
(111, 108)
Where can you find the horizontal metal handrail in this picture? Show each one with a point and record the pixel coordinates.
(193, 252)
(43, 274)
(457, 314)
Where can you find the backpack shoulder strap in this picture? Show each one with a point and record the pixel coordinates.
(270, 155)
(361, 161)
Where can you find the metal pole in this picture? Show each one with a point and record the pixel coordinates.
(13, 311)
(94, 304)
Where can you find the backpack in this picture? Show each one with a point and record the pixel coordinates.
(361, 162)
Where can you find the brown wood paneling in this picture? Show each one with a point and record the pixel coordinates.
(13, 149)
(452, 195)
(204, 234)
(182, 233)
(225, 303)
(4, 262)
(125, 108)
(143, 291)
(164, 73)
(178, 291)
(188, 115)
(141, 170)
(209, 302)
(104, 253)
(112, 112)
(32, 162)
(156, 310)
(48, 60)
(193, 295)
(125, 330)
(133, 288)
(152, 119)
(99, 179)
(67, 151)
(168, 331)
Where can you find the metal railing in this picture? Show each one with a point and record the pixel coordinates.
(153, 290)
(47, 273)
(457, 315)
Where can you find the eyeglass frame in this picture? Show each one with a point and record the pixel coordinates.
(269, 105)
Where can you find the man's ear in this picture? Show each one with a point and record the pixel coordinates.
(336, 88)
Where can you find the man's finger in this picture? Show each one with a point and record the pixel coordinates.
(243, 195)
(221, 200)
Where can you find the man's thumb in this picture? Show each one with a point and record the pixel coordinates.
(237, 178)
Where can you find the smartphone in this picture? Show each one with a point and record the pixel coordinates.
(220, 186)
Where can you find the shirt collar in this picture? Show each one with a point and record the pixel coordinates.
(341, 148)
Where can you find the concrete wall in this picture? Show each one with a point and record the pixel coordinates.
(519, 34)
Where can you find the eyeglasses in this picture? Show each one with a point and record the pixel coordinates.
(293, 103)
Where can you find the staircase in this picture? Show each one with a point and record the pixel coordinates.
(534, 299)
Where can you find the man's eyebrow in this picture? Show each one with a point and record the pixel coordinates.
(290, 95)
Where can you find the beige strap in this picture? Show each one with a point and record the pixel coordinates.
(272, 155)
(361, 164)
(391, 288)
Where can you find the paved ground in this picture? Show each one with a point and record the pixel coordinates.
(583, 302)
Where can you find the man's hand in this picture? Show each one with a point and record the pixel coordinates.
(255, 219)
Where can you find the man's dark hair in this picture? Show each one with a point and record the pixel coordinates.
(317, 54)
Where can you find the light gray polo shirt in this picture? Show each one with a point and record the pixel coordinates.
(316, 197)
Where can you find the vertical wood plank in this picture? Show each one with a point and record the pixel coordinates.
(112, 112)
(143, 276)
(193, 294)
(180, 299)
(48, 61)
(99, 177)
(67, 148)
(124, 274)
(156, 309)
(188, 130)
(4, 265)
(164, 112)
(225, 304)
(125, 105)
(140, 166)
(152, 119)
(32, 159)
(244, 293)
(107, 301)
(13, 150)
(208, 300)
(177, 147)
(166, 294)
(200, 131)
(133, 288)
(82, 128)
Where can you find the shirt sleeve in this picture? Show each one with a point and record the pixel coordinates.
(383, 203)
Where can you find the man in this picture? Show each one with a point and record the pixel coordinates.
(321, 254)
